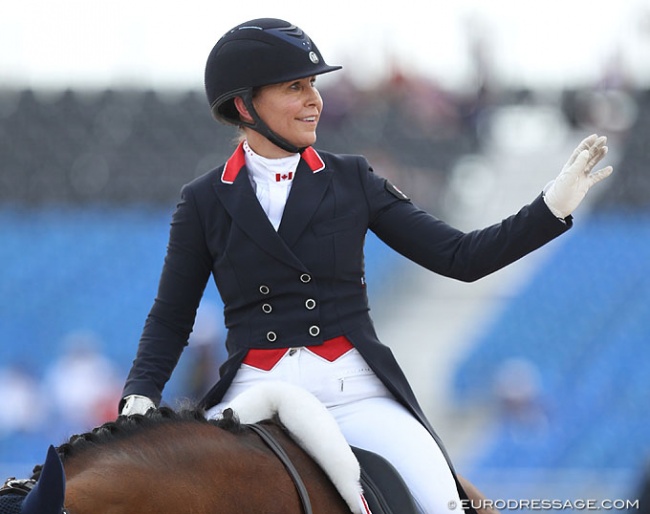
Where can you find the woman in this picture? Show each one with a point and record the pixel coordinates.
(281, 226)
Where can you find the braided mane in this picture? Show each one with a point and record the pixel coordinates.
(126, 426)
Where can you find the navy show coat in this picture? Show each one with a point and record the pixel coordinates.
(220, 229)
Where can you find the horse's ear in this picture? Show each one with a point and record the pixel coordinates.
(48, 494)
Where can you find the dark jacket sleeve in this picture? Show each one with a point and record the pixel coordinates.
(450, 252)
(184, 276)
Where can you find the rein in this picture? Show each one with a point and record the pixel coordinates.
(279, 452)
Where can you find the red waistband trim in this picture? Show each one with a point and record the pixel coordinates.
(266, 360)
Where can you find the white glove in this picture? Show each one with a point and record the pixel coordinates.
(136, 404)
(564, 194)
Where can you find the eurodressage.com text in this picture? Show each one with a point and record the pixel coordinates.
(546, 504)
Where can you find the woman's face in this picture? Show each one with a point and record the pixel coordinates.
(291, 110)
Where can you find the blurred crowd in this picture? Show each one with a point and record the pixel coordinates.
(81, 388)
(122, 147)
(78, 391)
(136, 146)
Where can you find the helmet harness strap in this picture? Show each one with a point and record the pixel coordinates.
(260, 126)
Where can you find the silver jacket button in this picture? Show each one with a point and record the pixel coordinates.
(310, 304)
(267, 308)
(271, 336)
(305, 278)
(264, 289)
(314, 330)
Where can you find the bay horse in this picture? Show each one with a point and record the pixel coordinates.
(169, 461)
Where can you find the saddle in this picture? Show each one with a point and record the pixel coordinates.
(383, 487)
(384, 490)
(309, 423)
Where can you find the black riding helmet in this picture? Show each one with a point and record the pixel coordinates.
(254, 54)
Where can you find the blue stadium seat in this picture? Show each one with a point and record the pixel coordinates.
(583, 320)
(63, 269)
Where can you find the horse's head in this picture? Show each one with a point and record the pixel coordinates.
(45, 496)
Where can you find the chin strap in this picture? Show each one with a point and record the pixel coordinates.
(261, 127)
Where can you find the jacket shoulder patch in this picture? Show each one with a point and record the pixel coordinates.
(393, 190)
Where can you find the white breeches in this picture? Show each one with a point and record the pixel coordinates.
(369, 417)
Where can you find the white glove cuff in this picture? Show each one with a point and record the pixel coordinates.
(557, 213)
(136, 404)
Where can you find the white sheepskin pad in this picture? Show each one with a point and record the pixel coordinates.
(312, 427)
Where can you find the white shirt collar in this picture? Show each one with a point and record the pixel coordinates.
(263, 169)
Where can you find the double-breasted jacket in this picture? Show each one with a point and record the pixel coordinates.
(304, 283)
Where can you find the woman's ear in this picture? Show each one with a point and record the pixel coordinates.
(243, 110)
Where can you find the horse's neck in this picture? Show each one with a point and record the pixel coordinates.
(192, 470)
(159, 475)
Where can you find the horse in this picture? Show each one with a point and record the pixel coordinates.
(178, 461)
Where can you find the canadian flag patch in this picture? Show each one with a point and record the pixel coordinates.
(281, 177)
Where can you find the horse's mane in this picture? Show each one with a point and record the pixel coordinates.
(126, 426)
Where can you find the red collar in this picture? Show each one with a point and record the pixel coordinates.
(237, 161)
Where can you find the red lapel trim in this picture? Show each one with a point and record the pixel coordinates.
(238, 160)
(234, 165)
(314, 160)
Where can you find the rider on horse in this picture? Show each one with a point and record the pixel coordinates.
(281, 227)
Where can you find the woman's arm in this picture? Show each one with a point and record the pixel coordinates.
(184, 276)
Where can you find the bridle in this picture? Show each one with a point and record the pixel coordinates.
(279, 452)
(15, 486)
